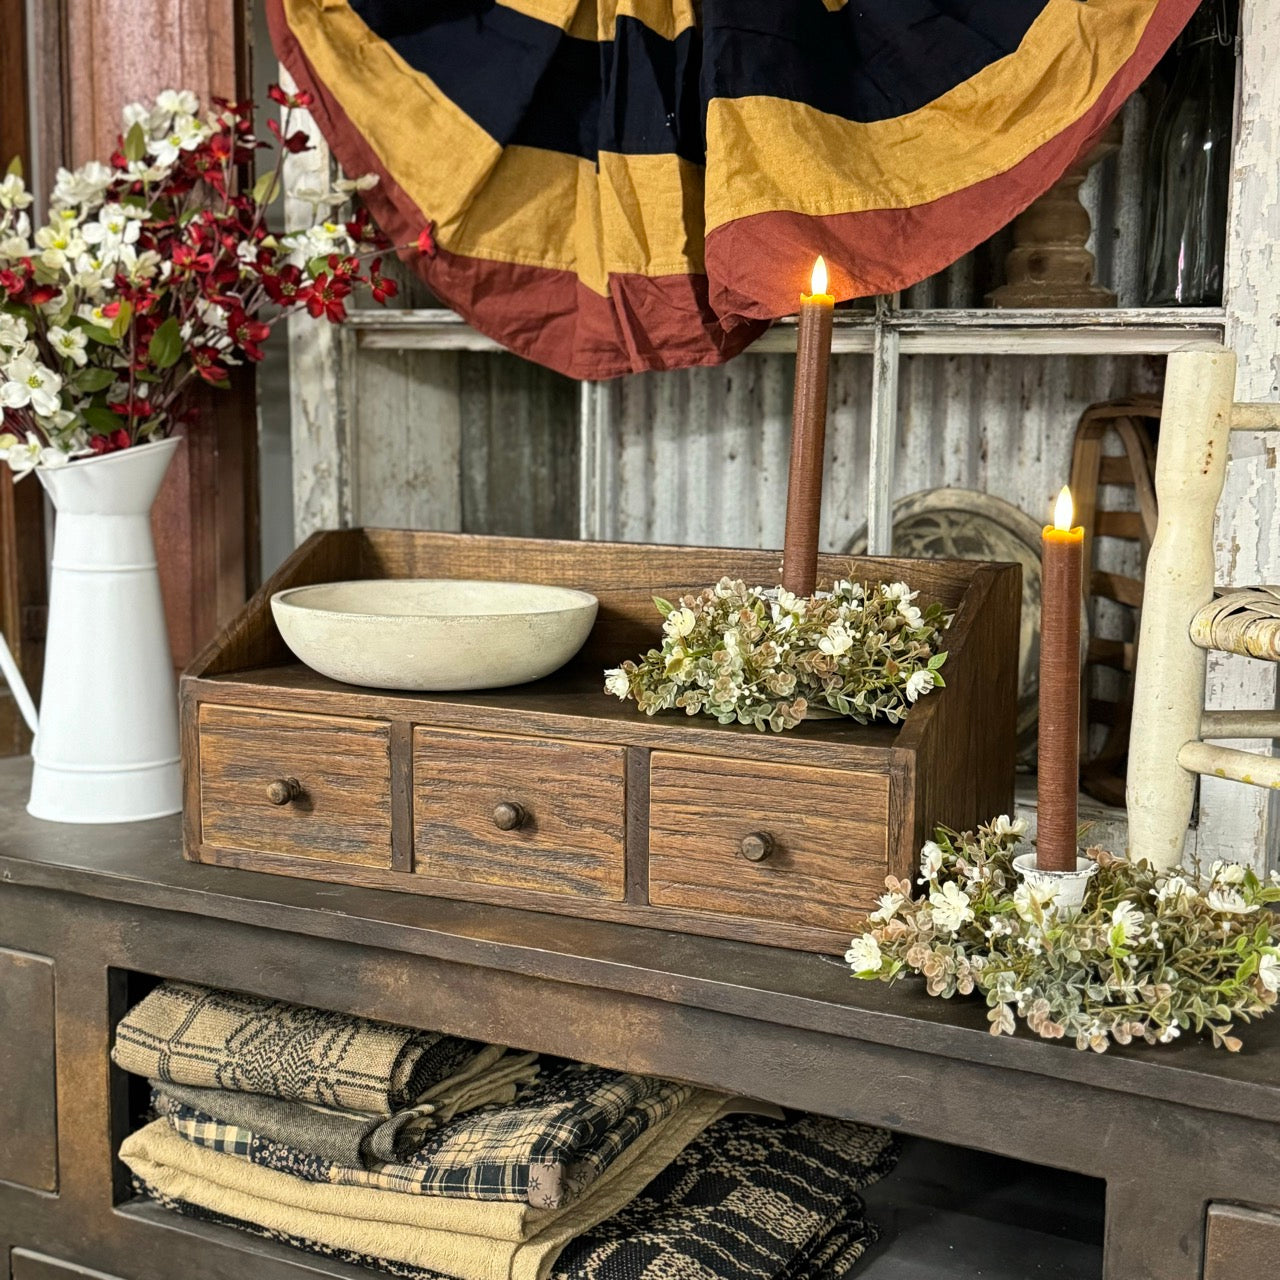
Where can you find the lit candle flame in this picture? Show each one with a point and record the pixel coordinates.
(818, 281)
(1063, 510)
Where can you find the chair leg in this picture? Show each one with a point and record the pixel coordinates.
(1168, 698)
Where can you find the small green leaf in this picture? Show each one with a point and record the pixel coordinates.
(135, 143)
(266, 188)
(103, 421)
(94, 378)
(98, 334)
(15, 167)
(166, 344)
(317, 265)
(664, 607)
(120, 325)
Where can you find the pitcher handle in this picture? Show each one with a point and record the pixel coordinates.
(13, 678)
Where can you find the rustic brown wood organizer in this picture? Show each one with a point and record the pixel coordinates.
(556, 797)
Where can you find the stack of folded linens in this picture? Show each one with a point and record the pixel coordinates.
(425, 1155)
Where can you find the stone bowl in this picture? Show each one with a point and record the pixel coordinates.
(432, 635)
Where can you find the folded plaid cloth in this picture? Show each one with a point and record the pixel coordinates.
(354, 1137)
(468, 1239)
(562, 1133)
(751, 1199)
(223, 1040)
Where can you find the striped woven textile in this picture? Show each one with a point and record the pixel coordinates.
(751, 1199)
(561, 1134)
(622, 185)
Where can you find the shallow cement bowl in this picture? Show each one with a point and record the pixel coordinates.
(432, 635)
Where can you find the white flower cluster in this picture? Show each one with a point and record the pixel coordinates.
(1150, 955)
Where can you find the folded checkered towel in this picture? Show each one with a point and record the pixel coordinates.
(562, 1133)
(494, 1078)
(193, 1035)
(751, 1199)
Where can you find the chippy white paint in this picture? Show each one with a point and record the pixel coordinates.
(1168, 693)
(1238, 822)
(106, 744)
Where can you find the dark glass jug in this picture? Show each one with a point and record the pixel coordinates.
(1189, 166)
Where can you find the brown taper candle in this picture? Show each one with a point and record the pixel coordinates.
(1058, 762)
(808, 436)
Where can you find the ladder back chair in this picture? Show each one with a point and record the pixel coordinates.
(1183, 617)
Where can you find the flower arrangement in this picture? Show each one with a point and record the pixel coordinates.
(1151, 953)
(157, 272)
(765, 657)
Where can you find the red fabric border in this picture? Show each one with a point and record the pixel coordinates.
(669, 322)
(870, 246)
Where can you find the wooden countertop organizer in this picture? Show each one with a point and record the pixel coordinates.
(556, 797)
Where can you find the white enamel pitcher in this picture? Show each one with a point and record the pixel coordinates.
(106, 738)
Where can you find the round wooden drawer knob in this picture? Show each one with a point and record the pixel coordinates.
(757, 846)
(508, 816)
(283, 790)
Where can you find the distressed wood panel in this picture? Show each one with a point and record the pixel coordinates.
(519, 454)
(342, 807)
(28, 1100)
(408, 440)
(1237, 821)
(570, 802)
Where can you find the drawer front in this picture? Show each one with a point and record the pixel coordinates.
(772, 842)
(340, 810)
(538, 814)
(28, 1092)
(1241, 1244)
(38, 1266)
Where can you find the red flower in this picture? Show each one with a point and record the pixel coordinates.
(427, 241)
(118, 439)
(295, 142)
(110, 310)
(205, 360)
(326, 299)
(285, 286)
(379, 286)
(247, 333)
(299, 99)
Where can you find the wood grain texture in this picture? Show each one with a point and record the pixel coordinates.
(28, 1100)
(343, 768)
(966, 730)
(572, 796)
(828, 829)
(1241, 1243)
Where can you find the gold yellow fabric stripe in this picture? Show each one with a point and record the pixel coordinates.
(768, 153)
(634, 214)
(596, 19)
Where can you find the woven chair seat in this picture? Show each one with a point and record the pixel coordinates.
(1243, 620)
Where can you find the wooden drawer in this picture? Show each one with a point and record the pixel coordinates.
(38, 1266)
(341, 811)
(1240, 1243)
(823, 834)
(566, 799)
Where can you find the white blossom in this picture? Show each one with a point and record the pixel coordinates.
(13, 192)
(917, 683)
(1007, 826)
(83, 186)
(1126, 923)
(864, 955)
(1269, 970)
(837, 640)
(617, 682)
(951, 907)
(13, 331)
(1230, 901)
(30, 383)
(930, 860)
(1228, 872)
(888, 908)
(679, 622)
(70, 344)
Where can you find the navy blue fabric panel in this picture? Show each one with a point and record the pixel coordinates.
(870, 60)
(486, 58)
(525, 81)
